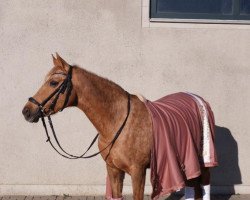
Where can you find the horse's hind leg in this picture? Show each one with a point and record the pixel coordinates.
(193, 189)
(116, 177)
(205, 183)
(205, 176)
(199, 188)
(138, 176)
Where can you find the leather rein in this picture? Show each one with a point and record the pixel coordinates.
(66, 85)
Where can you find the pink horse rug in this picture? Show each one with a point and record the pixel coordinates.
(183, 141)
(183, 128)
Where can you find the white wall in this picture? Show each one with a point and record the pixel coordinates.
(106, 37)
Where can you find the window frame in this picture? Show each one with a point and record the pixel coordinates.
(235, 17)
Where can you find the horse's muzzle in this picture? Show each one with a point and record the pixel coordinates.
(31, 116)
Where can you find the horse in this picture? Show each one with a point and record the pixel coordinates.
(106, 105)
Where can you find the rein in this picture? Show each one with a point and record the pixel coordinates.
(67, 85)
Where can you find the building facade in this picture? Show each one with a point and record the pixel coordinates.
(116, 39)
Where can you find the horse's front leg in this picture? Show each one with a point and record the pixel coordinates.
(138, 176)
(116, 177)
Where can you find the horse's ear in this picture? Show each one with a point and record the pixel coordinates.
(58, 61)
(54, 60)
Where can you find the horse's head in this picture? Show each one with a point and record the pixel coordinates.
(55, 94)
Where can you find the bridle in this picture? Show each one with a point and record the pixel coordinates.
(67, 86)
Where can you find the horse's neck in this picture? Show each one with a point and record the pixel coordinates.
(104, 102)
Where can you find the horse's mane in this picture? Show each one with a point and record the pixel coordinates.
(101, 80)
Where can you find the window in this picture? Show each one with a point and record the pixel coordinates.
(201, 9)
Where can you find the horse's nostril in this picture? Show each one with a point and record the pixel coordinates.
(26, 112)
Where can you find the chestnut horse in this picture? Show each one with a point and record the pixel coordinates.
(105, 104)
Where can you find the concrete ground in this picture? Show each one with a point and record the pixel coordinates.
(127, 197)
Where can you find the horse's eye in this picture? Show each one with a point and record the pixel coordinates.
(53, 83)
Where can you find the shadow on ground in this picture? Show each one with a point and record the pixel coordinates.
(213, 197)
(228, 172)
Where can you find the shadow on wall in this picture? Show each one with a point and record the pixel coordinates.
(228, 172)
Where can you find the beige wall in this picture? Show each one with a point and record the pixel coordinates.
(107, 37)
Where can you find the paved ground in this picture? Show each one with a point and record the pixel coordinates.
(127, 197)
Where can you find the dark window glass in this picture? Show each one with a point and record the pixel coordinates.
(195, 6)
(245, 7)
(201, 9)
